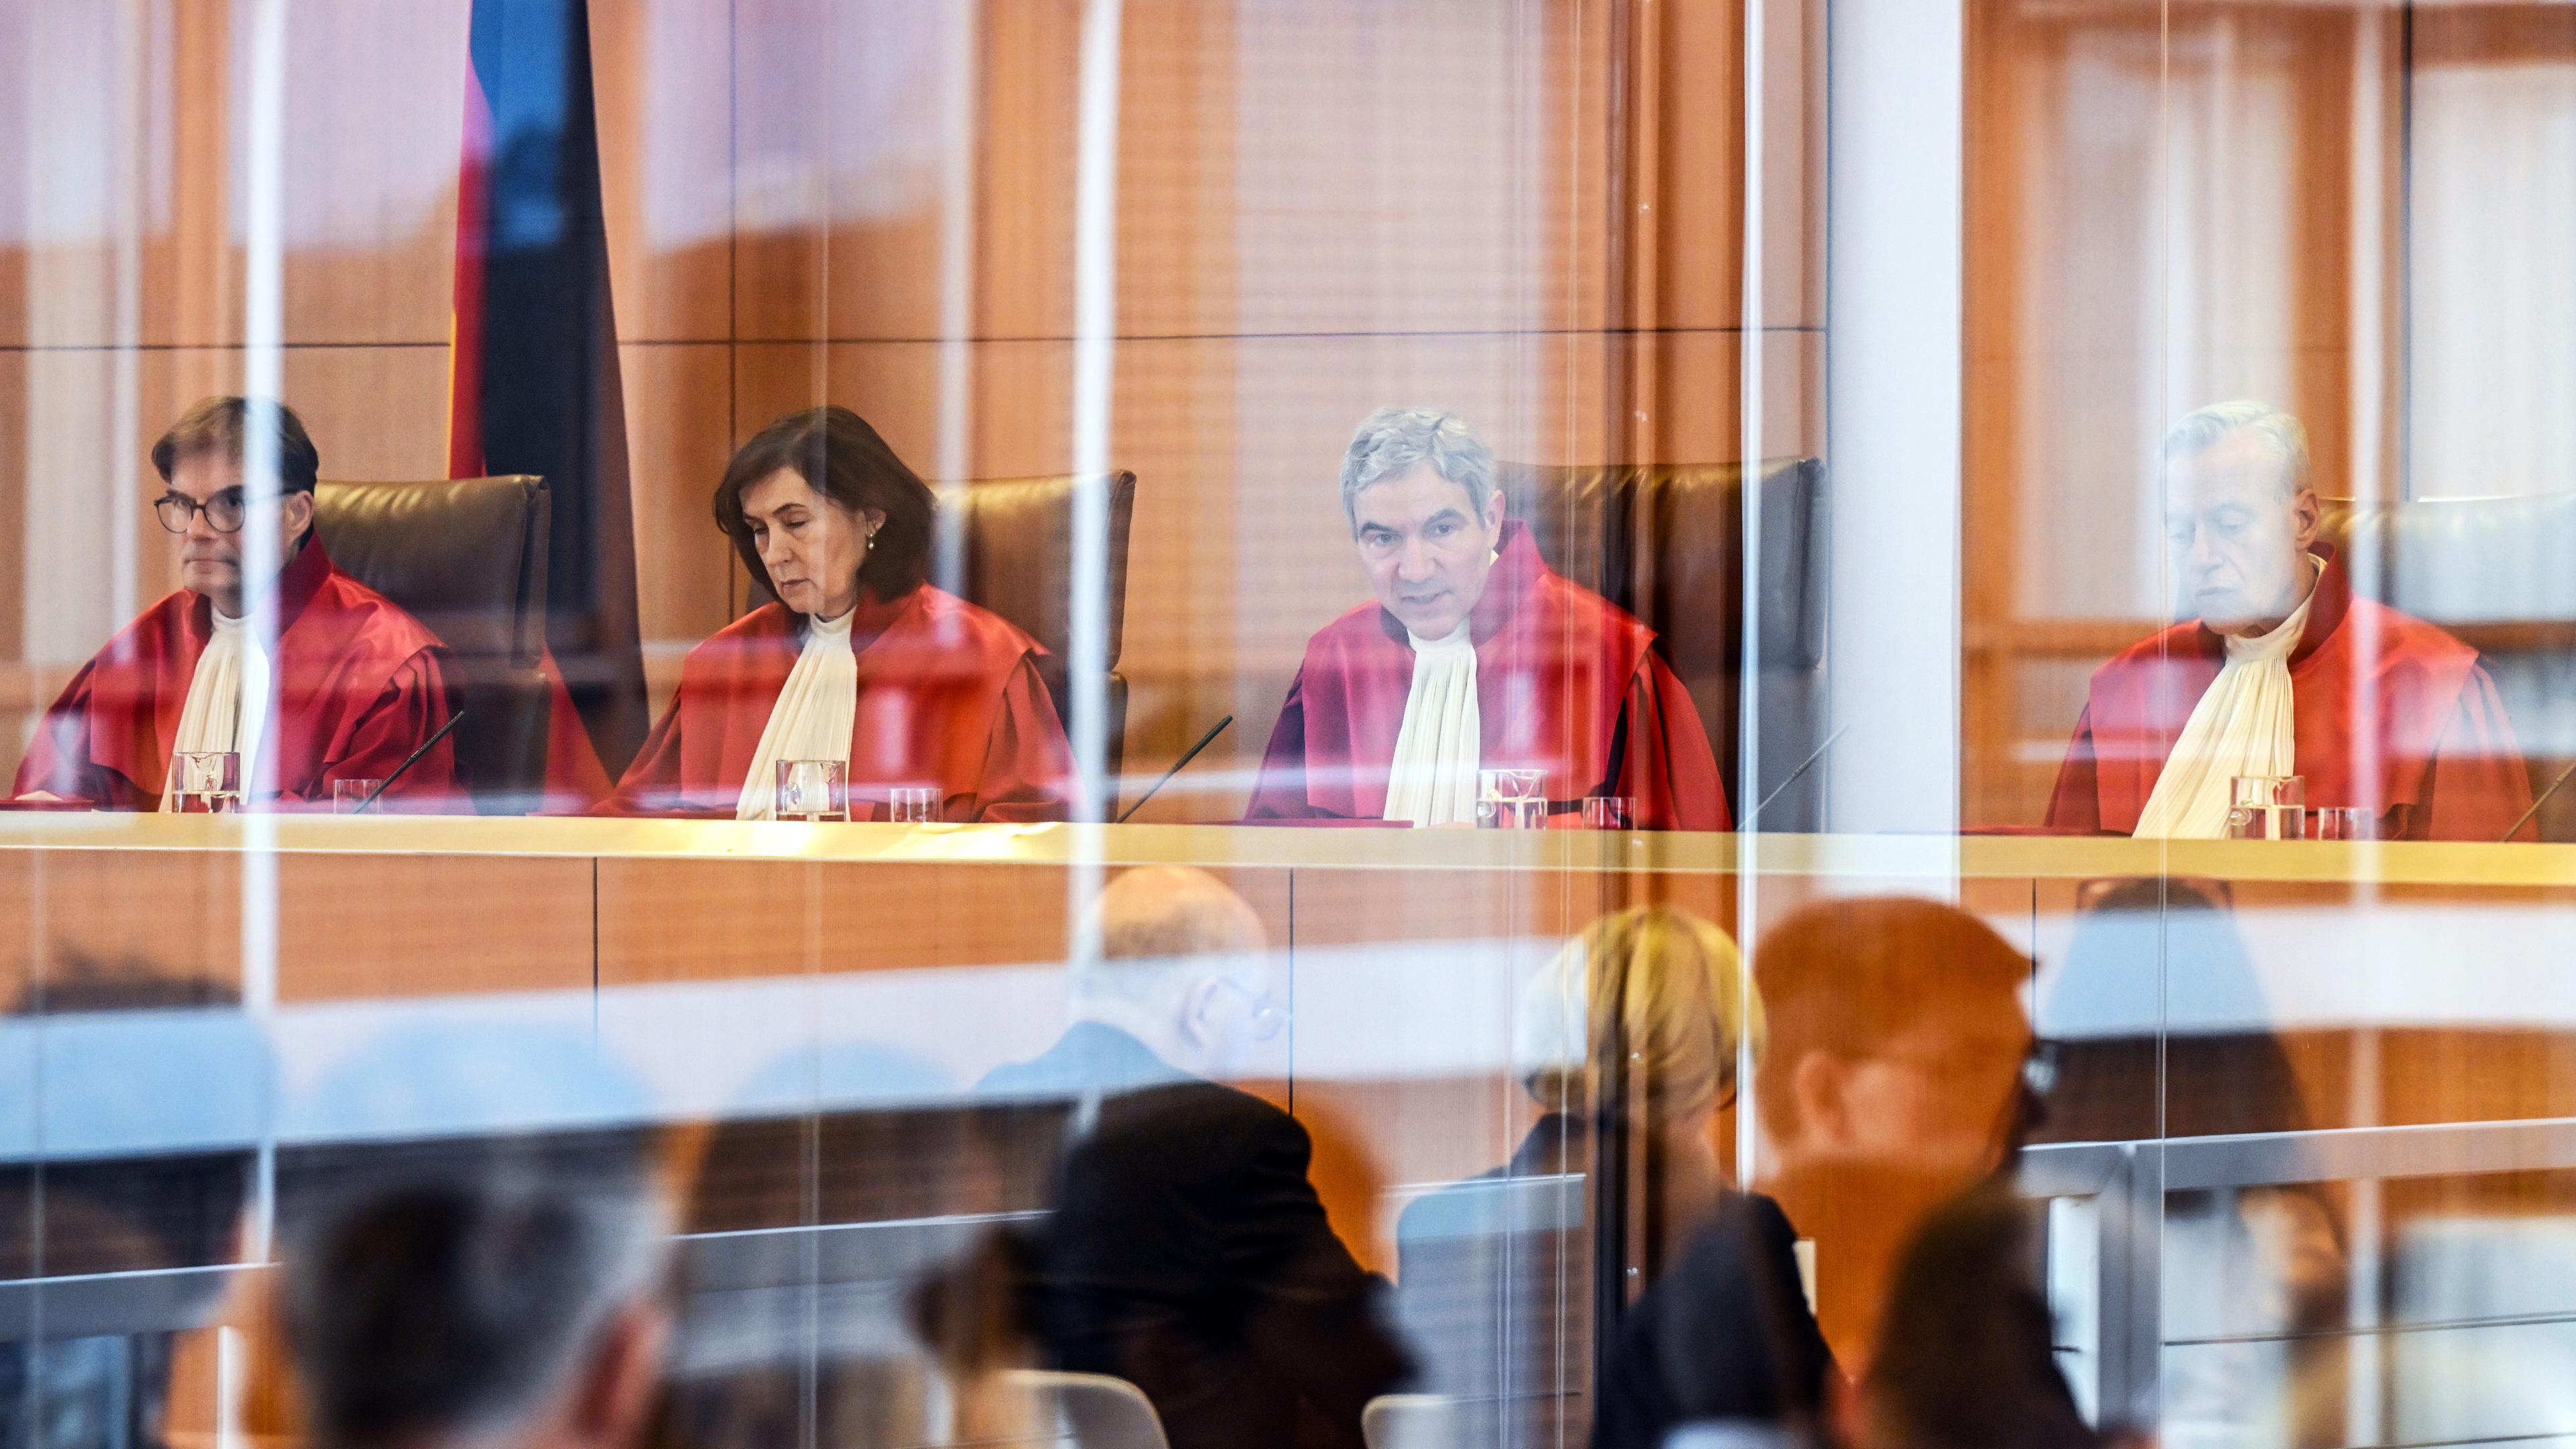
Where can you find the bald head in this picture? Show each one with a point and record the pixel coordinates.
(1166, 912)
(1180, 965)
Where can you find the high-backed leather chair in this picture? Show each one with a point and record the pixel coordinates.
(1014, 553)
(1666, 542)
(467, 557)
(2471, 565)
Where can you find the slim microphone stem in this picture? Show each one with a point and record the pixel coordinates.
(1803, 766)
(425, 747)
(2536, 804)
(1190, 754)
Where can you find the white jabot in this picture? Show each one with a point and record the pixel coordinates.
(2241, 726)
(227, 700)
(811, 720)
(1440, 745)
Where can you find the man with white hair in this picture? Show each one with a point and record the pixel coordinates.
(2282, 671)
(1475, 656)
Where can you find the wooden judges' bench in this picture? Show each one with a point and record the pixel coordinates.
(2412, 987)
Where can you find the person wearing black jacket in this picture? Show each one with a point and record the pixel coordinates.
(1185, 1250)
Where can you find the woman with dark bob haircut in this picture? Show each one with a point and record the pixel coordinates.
(858, 659)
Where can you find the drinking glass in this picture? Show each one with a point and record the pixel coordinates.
(1609, 812)
(348, 795)
(2267, 807)
(2343, 822)
(1511, 799)
(813, 790)
(206, 782)
(913, 804)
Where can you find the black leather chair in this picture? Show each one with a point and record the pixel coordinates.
(467, 557)
(1666, 542)
(1013, 554)
(2501, 573)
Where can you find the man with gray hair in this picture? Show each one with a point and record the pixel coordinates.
(1475, 656)
(2282, 671)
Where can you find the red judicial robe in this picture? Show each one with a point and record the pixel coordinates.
(1566, 682)
(949, 695)
(2387, 710)
(358, 684)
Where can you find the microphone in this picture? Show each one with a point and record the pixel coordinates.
(425, 746)
(1188, 755)
(2536, 804)
(1803, 766)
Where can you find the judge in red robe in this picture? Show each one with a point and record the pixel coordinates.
(1476, 656)
(858, 659)
(357, 680)
(2284, 672)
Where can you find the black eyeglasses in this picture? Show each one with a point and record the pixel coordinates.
(223, 511)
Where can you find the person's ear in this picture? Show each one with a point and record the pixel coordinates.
(1494, 511)
(1820, 1084)
(610, 1404)
(296, 512)
(2307, 519)
(1198, 1008)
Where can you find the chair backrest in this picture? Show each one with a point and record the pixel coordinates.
(466, 557)
(1665, 542)
(1413, 1421)
(2494, 570)
(1014, 545)
(1095, 1411)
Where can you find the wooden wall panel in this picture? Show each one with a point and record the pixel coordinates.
(664, 74)
(678, 439)
(363, 927)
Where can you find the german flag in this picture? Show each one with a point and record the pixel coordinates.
(533, 381)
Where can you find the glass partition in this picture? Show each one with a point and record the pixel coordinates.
(1230, 723)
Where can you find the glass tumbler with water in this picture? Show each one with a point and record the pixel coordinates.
(1511, 799)
(813, 790)
(206, 782)
(2267, 807)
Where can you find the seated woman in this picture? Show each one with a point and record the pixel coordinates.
(859, 659)
(1627, 1041)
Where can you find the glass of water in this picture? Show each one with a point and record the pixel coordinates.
(1511, 799)
(2267, 807)
(913, 804)
(813, 790)
(206, 782)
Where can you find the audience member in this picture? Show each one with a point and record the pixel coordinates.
(1895, 1077)
(1185, 1250)
(1965, 1356)
(2161, 1030)
(514, 1303)
(1628, 1040)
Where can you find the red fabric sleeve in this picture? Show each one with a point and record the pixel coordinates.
(1671, 772)
(2478, 784)
(650, 786)
(1028, 773)
(1279, 791)
(58, 759)
(412, 708)
(2076, 805)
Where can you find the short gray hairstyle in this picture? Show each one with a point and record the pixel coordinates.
(2205, 428)
(1395, 441)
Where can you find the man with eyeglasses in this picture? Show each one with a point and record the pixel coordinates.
(347, 688)
(1186, 1251)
